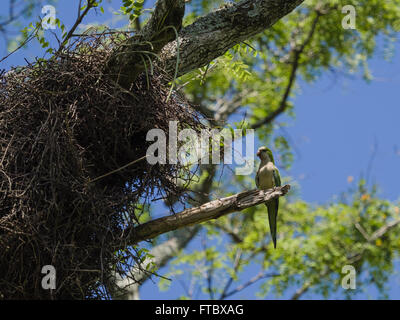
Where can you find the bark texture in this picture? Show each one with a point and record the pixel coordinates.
(201, 42)
(208, 211)
(212, 35)
(135, 55)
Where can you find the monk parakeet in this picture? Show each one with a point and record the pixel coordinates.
(268, 177)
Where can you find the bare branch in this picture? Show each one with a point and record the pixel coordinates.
(381, 231)
(259, 276)
(307, 286)
(297, 52)
(81, 15)
(230, 280)
(205, 212)
(364, 233)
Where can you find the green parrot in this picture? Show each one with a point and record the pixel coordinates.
(268, 177)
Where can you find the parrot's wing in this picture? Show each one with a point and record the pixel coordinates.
(277, 178)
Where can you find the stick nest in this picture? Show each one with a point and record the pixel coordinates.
(63, 123)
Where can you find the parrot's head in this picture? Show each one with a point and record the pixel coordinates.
(265, 154)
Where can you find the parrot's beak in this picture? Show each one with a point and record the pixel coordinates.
(258, 153)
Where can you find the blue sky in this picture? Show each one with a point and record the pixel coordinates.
(339, 122)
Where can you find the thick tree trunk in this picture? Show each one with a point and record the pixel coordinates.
(135, 55)
(212, 35)
(201, 42)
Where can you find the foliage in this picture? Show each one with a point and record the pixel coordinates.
(248, 84)
(315, 242)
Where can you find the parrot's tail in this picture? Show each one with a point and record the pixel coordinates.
(273, 207)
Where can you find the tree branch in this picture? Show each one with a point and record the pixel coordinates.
(297, 52)
(205, 212)
(260, 275)
(212, 35)
(128, 287)
(355, 258)
(381, 231)
(126, 62)
(90, 4)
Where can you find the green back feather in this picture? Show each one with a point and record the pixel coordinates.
(271, 157)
